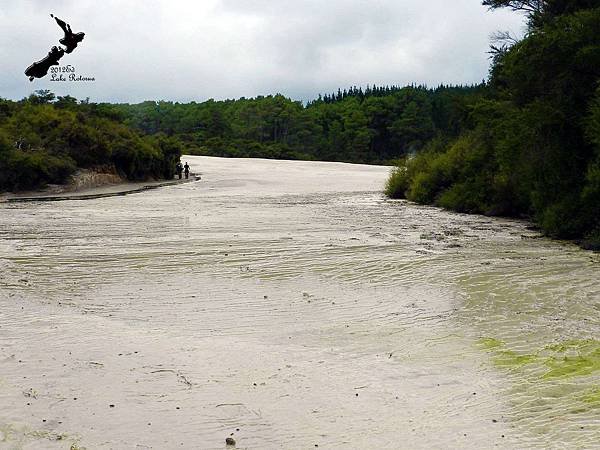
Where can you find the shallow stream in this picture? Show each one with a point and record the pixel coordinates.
(289, 305)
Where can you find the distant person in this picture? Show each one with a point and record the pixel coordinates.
(71, 39)
(179, 169)
(186, 169)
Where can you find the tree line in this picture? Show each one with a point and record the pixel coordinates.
(377, 125)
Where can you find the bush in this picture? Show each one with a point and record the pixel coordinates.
(563, 219)
(21, 170)
(397, 183)
(591, 241)
(43, 143)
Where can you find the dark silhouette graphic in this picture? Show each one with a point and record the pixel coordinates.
(186, 170)
(40, 68)
(71, 39)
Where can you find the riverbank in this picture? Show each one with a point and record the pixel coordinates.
(418, 181)
(91, 184)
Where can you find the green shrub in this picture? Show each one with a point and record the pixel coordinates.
(21, 170)
(43, 143)
(591, 241)
(469, 197)
(397, 183)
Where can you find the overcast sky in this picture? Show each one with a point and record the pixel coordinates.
(185, 50)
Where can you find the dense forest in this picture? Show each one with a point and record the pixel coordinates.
(531, 145)
(44, 139)
(374, 125)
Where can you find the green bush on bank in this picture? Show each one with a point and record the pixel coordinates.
(531, 147)
(398, 182)
(45, 141)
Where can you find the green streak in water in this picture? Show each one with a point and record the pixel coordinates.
(508, 358)
(592, 396)
(567, 359)
(584, 359)
(490, 343)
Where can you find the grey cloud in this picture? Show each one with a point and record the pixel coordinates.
(189, 50)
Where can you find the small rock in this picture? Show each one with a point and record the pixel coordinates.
(230, 441)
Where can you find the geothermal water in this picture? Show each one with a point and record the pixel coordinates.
(290, 305)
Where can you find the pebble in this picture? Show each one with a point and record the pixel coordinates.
(230, 441)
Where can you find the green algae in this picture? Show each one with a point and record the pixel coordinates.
(592, 397)
(574, 344)
(567, 359)
(508, 358)
(490, 343)
(503, 357)
(584, 363)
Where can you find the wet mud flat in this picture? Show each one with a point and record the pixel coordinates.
(288, 304)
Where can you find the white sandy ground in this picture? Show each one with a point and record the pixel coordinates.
(288, 305)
